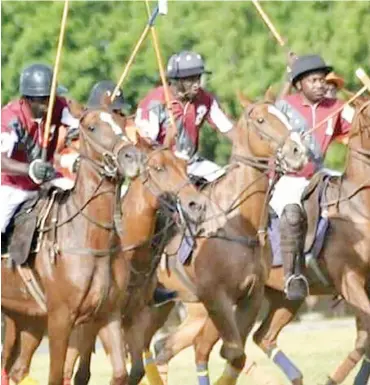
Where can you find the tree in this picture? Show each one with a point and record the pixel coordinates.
(238, 47)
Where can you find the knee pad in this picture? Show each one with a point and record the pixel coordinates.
(293, 215)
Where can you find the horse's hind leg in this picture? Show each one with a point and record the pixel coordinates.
(10, 351)
(281, 312)
(81, 344)
(354, 292)
(353, 358)
(203, 344)
(170, 345)
(30, 339)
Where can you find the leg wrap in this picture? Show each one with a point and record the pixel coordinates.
(363, 375)
(202, 373)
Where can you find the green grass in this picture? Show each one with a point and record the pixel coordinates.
(316, 352)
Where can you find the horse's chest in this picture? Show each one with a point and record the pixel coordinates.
(98, 292)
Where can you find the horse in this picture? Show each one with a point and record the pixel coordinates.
(162, 180)
(78, 272)
(259, 134)
(347, 274)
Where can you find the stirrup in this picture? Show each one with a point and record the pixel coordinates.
(300, 277)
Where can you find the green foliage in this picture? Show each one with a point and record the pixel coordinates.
(237, 45)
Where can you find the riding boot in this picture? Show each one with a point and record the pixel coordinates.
(162, 296)
(5, 240)
(293, 228)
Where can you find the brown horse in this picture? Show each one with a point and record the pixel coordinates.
(228, 246)
(144, 247)
(80, 267)
(163, 178)
(348, 272)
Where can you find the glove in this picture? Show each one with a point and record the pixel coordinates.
(72, 135)
(40, 171)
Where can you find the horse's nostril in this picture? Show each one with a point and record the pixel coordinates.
(193, 206)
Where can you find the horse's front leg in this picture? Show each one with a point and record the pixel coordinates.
(112, 339)
(60, 325)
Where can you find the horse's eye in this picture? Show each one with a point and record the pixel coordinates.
(260, 120)
(158, 168)
(91, 128)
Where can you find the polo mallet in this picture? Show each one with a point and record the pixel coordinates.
(54, 82)
(161, 9)
(366, 87)
(172, 135)
(361, 74)
(269, 23)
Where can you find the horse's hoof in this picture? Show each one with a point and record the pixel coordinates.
(226, 381)
(4, 378)
(159, 345)
(162, 358)
(231, 352)
(28, 381)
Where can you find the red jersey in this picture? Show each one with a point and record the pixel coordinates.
(303, 116)
(152, 118)
(21, 138)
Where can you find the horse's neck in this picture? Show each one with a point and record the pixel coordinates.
(249, 185)
(95, 195)
(358, 168)
(139, 216)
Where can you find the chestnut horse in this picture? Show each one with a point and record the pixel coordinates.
(80, 266)
(162, 181)
(238, 212)
(348, 272)
(144, 247)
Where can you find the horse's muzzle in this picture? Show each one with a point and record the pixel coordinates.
(130, 161)
(194, 207)
(293, 155)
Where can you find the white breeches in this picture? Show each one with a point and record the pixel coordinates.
(10, 198)
(288, 190)
(206, 169)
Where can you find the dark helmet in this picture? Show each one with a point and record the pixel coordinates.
(306, 64)
(36, 79)
(106, 87)
(185, 64)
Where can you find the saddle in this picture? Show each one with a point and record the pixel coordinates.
(22, 237)
(312, 198)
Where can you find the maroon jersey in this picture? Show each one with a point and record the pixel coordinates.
(21, 138)
(303, 116)
(152, 118)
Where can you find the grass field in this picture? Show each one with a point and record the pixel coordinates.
(316, 347)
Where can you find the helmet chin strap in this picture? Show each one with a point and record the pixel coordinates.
(180, 91)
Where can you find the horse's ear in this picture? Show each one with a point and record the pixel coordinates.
(105, 100)
(76, 109)
(358, 102)
(243, 100)
(270, 96)
(143, 143)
